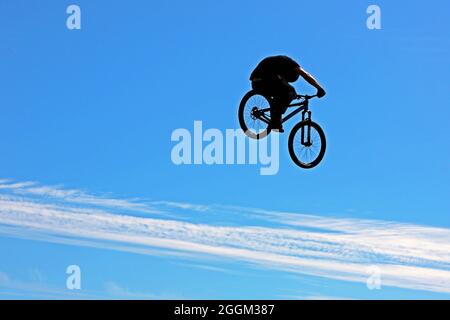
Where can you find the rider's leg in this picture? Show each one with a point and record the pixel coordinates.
(275, 118)
(288, 93)
(284, 94)
(269, 88)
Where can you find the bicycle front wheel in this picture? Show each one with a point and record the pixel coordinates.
(307, 144)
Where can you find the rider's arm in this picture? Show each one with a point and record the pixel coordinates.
(311, 80)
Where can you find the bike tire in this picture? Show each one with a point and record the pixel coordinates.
(293, 142)
(242, 117)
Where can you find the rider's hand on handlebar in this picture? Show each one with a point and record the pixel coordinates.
(320, 92)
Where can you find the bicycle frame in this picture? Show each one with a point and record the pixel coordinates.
(303, 107)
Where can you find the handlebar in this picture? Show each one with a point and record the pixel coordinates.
(306, 97)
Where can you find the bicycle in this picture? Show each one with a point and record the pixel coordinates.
(311, 143)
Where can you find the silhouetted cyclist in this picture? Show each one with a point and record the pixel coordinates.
(271, 78)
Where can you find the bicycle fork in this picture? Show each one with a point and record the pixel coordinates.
(306, 129)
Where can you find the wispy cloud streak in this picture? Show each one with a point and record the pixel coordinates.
(409, 256)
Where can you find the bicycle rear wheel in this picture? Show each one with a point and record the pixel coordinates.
(307, 144)
(250, 112)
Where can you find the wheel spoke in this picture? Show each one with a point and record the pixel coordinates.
(255, 125)
(307, 154)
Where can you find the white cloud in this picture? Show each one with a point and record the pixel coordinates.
(4, 278)
(182, 205)
(409, 256)
(117, 291)
(37, 288)
(20, 185)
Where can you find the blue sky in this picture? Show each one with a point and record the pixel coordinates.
(92, 111)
